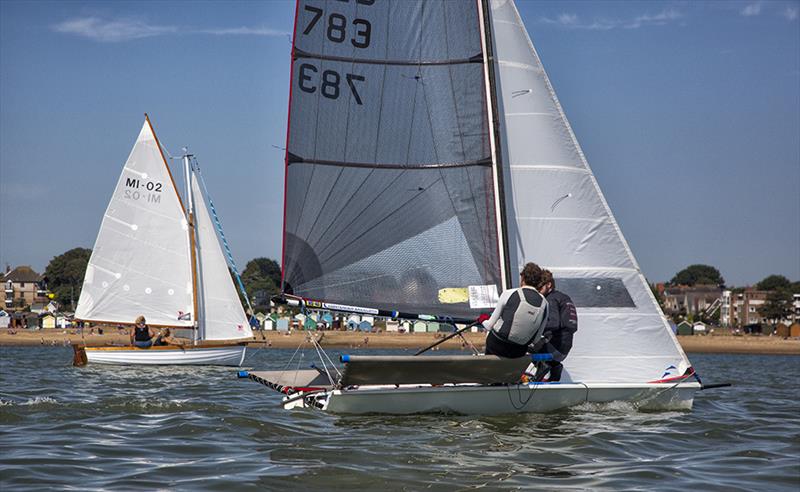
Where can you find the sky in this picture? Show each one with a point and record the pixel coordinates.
(688, 113)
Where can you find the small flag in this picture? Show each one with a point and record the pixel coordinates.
(184, 316)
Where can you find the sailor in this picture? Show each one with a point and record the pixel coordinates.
(519, 318)
(562, 323)
(144, 337)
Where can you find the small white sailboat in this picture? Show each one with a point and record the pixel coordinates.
(428, 155)
(154, 258)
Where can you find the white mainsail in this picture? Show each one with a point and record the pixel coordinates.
(558, 217)
(140, 264)
(221, 314)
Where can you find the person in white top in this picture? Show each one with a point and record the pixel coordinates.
(519, 318)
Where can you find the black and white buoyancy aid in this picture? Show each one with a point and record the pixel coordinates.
(523, 317)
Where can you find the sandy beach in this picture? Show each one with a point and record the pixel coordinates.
(410, 341)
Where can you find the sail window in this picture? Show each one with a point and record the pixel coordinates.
(596, 292)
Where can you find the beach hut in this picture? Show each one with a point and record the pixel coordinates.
(420, 327)
(283, 324)
(794, 330)
(365, 326)
(5, 319)
(310, 323)
(781, 330)
(47, 321)
(699, 328)
(685, 328)
(433, 327)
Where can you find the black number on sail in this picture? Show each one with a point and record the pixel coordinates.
(337, 27)
(330, 82)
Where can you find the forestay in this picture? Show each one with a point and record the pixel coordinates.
(140, 264)
(221, 314)
(558, 217)
(389, 193)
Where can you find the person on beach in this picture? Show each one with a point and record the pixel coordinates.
(562, 323)
(144, 337)
(519, 318)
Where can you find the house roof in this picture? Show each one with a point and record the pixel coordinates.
(22, 273)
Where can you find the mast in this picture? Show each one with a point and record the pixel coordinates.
(187, 170)
(487, 43)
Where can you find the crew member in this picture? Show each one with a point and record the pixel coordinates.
(562, 323)
(519, 318)
(144, 337)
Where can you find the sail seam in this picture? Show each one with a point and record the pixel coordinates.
(368, 61)
(549, 167)
(366, 165)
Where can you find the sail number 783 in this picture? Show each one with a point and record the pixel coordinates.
(329, 82)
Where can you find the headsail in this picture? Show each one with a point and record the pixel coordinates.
(558, 217)
(389, 196)
(140, 264)
(221, 314)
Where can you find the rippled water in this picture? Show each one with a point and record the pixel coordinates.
(203, 429)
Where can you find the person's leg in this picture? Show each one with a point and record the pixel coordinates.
(143, 345)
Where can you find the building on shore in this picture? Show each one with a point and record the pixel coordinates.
(684, 300)
(23, 287)
(743, 308)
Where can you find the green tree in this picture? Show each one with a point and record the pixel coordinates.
(261, 274)
(774, 282)
(777, 307)
(64, 275)
(698, 274)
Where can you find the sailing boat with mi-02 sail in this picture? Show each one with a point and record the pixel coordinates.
(428, 159)
(153, 257)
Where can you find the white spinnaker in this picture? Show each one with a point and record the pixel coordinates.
(140, 264)
(221, 314)
(558, 217)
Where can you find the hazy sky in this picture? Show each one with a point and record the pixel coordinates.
(688, 112)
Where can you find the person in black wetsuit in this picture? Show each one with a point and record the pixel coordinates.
(143, 337)
(519, 318)
(562, 323)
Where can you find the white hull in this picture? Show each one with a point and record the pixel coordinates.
(493, 400)
(214, 356)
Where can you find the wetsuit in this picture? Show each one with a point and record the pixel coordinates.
(517, 321)
(562, 323)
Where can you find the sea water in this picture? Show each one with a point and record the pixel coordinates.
(183, 428)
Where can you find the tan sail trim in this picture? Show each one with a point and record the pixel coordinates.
(164, 159)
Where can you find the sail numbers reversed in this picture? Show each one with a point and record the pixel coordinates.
(329, 83)
(336, 26)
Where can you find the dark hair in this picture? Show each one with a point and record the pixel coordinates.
(547, 277)
(532, 274)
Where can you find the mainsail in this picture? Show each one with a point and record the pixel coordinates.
(558, 217)
(140, 264)
(389, 189)
(221, 315)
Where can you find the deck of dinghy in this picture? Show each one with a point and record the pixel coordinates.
(397, 370)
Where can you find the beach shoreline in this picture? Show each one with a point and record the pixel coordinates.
(729, 344)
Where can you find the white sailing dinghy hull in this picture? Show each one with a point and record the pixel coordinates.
(498, 400)
(229, 355)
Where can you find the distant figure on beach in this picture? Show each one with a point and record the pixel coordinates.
(519, 318)
(143, 337)
(562, 323)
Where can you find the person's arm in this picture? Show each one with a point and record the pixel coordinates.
(132, 333)
(568, 316)
(498, 310)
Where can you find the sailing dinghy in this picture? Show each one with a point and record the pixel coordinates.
(154, 258)
(428, 160)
